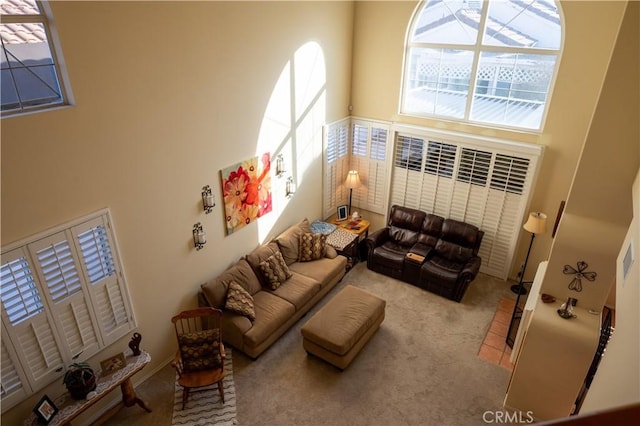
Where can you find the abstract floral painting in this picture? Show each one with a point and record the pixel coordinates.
(246, 188)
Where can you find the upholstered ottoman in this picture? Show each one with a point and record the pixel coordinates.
(340, 329)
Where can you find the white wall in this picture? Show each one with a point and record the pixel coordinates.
(617, 381)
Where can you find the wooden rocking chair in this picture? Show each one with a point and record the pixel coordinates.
(200, 357)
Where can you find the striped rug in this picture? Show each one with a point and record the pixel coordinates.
(204, 406)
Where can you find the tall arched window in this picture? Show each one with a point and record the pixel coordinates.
(483, 61)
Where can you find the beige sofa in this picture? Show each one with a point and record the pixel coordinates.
(275, 310)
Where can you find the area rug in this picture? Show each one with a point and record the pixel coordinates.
(204, 406)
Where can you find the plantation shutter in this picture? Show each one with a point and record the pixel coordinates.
(14, 384)
(487, 186)
(406, 184)
(369, 158)
(336, 166)
(28, 324)
(102, 274)
(63, 295)
(58, 267)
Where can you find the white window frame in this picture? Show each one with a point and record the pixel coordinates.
(45, 18)
(476, 50)
(76, 275)
(335, 154)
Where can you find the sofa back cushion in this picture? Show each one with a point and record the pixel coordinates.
(289, 240)
(431, 230)
(460, 233)
(215, 290)
(404, 224)
(459, 241)
(259, 255)
(453, 252)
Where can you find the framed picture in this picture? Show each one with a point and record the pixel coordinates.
(45, 410)
(113, 364)
(342, 212)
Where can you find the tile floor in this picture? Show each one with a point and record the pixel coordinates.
(494, 349)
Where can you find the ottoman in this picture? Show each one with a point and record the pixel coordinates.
(340, 329)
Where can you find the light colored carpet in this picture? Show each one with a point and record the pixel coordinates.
(204, 406)
(420, 368)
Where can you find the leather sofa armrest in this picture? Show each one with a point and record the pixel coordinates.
(471, 269)
(421, 249)
(377, 238)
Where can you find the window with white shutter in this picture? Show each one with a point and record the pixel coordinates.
(483, 182)
(64, 298)
(336, 166)
(369, 158)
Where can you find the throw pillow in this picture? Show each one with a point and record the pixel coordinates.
(274, 270)
(199, 350)
(240, 301)
(312, 246)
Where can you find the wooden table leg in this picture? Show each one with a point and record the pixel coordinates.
(129, 396)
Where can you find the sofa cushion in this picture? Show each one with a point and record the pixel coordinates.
(240, 301)
(330, 252)
(453, 252)
(312, 246)
(298, 290)
(274, 270)
(390, 255)
(460, 233)
(199, 350)
(272, 312)
(260, 254)
(288, 241)
(215, 290)
(323, 270)
(431, 230)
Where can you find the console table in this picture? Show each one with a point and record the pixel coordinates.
(69, 408)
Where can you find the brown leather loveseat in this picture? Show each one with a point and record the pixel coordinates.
(437, 254)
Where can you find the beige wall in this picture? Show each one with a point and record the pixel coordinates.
(167, 94)
(380, 31)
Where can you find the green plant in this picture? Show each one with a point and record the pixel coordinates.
(79, 379)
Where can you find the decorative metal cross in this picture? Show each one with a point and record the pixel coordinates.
(576, 282)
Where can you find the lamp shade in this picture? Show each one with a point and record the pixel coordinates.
(537, 223)
(353, 180)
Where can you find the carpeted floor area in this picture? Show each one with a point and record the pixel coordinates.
(421, 367)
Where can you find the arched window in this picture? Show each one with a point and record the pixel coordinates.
(483, 61)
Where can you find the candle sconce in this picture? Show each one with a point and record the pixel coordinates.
(199, 236)
(208, 202)
(280, 169)
(290, 187)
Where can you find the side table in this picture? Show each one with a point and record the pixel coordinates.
(69, 408)
(359, 227)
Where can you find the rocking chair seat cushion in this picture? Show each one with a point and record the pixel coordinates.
(200, 350)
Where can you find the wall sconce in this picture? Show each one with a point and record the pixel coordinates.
(280, 165)
(199, 236)
(208, 202)
(290, 187)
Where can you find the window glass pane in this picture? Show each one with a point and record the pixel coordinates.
(19, 7)
(438, 81)
(440, 159)
(512, 89)
(27, 56)
(523, 24)
(409, 153)
(449, 22)
(20, 296)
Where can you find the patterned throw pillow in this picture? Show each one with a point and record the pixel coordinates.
(240, 301)
(200, 351)
(274, 270)
(312, 247)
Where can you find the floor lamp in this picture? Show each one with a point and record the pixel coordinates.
(352, 182)
(536, 224)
